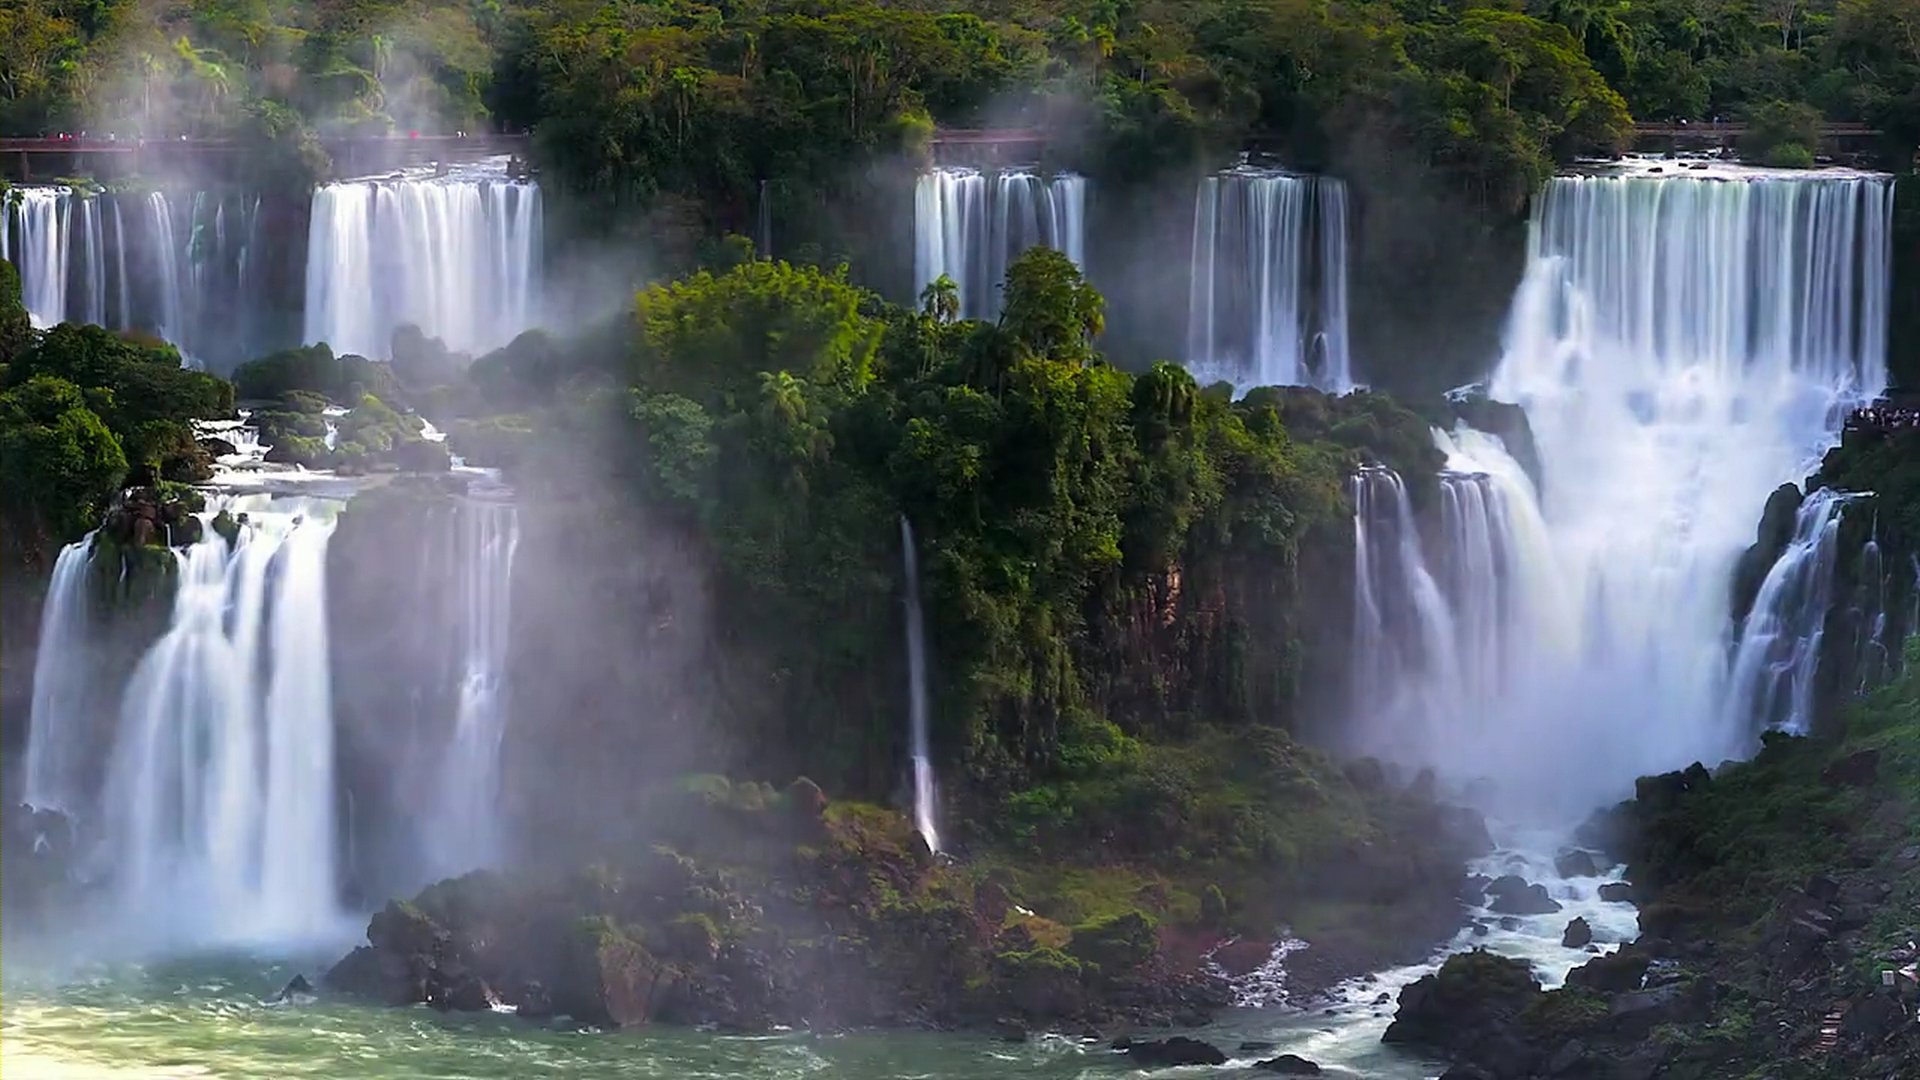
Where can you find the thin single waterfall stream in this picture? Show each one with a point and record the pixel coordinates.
(919, 704)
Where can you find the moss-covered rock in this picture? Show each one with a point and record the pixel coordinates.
(277, 425)
(608, 978)
(1115, 944)
(298, 450)
(313, 369)
(1039, 983)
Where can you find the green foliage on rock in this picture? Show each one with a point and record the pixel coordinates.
(1114, 569)
(59, 464)
(84, 410)
(1783, 134)
(311, 369)
(1116, 943)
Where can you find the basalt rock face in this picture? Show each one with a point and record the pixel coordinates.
(1876, 566)
(1489, 1015)
(1780, 910)
(39, 858)
(1775, 532)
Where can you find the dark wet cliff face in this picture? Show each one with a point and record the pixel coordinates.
(1903, 330)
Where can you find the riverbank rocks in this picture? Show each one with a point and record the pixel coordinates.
(1613, 973)
(754, 907)
(608, 979)
(1472, 993)
(1514, 895)
(1858, 769)
(1617, 892)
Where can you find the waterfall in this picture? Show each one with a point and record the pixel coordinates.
(194, 282)
(971, 227)
(1267, 303)
(93, 308)
(1402, 631)
(919, 706)
(125, 297)
(1441, 614)
(37, 244)
(455, 255)
(220, 801)
(166, 267)
(482, 538)
(1778, 652)
(1682, 345)
(1873, 655)
(63, 678)
(763, 231)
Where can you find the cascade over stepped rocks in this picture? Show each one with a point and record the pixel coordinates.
(1781, 907)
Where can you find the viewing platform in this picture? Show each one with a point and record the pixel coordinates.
(24, 160)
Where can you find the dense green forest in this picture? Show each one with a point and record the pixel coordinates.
(634, 97)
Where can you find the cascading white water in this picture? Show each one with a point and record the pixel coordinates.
(63, 685)
(971, 227)
(1682, 345)
(220, 800)
(483, 536)
(124, 310)
(1267, 304)
(36, 241)
(1440, 622)
(93, 298)
(919, 704)
(194, 283)
(1778, 655)
(166, 256)
(457, 256)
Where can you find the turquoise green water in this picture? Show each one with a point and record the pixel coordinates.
(208, 1018)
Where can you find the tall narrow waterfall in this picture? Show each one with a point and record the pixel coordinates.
(465, 827)
(64, 688)
(219, 799)
(1778, 655)
(919, 704)
(1268, 299)
(165, 252)
(1682, 345)
(971, 226)
(763, 224)
(36, 242)
(456, 255)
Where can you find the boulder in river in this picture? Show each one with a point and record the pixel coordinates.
(1514, 895)
(1617, 892)
(1289, 1065)
(1578, 936)
(1614, 973)
(1575, 862)
(298, 986)
(1178, 1050)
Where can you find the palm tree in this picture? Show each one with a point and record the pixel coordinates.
(940, 300)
